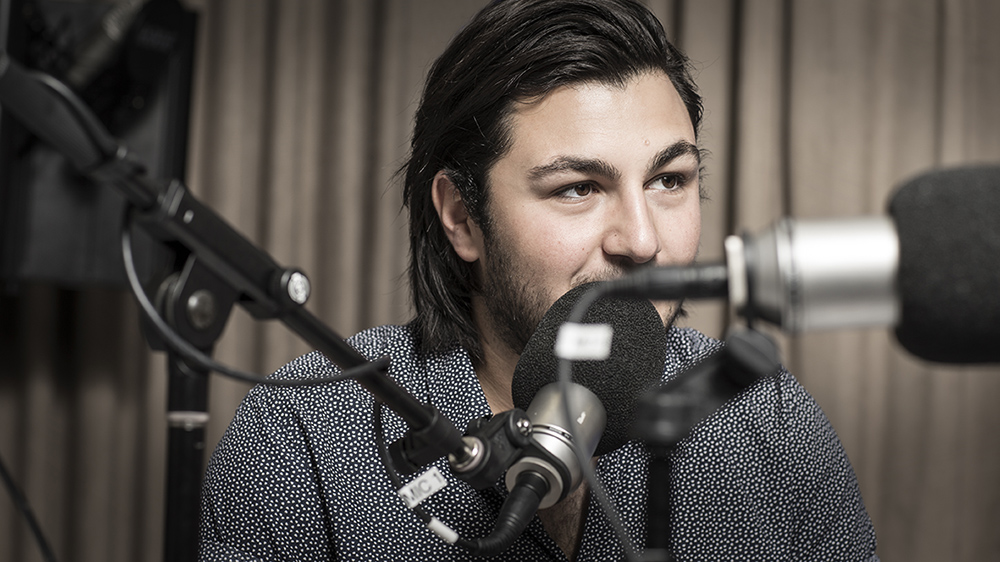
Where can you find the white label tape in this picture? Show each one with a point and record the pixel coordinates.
(584, 341)
(422, 487)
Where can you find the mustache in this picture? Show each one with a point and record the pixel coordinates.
(612, 271)
(618, 270)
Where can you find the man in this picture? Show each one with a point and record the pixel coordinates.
(555, 144)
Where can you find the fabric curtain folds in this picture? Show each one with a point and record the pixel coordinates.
(300, 118)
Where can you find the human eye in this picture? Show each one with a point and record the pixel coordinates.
(669, 182)
(576, 191)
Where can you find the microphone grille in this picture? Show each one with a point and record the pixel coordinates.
(638, 348)
(949, 264)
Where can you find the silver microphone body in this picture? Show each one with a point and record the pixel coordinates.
(550, 432)
(818, 274)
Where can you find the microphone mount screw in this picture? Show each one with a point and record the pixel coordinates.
(201, 309)
(471, 455)
(524, 426)
(298, 287)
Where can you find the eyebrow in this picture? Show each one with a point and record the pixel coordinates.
(596, 166)
(589, 166)
(673, 152)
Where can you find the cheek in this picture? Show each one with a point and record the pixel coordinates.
(681, 235)
(550, 242)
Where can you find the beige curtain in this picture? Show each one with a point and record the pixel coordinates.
(301, 116)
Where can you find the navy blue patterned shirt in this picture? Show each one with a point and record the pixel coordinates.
(297, 475)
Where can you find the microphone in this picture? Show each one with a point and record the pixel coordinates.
(949, 269)
(930, 269)
(603, 393)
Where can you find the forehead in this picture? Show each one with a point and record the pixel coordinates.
(611, 122)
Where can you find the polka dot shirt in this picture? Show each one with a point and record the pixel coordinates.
(297, 475)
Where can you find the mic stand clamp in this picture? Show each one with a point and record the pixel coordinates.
(666, 415)
(196, 304)
(492, 443)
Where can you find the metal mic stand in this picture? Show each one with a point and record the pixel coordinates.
(667, 414)
(215, 267)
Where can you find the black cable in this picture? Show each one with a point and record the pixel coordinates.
(432, 523)
(195, 356)
(508, 526)
(564, 378)
(390, 468)
(22, 505)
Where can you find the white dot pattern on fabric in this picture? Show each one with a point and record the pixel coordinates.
(297, 475)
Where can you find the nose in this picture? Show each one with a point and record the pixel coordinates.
(632, 231)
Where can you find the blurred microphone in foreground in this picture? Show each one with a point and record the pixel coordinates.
(930, 269)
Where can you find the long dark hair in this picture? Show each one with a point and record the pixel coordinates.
(513, 50)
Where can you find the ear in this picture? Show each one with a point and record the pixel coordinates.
(464, 235)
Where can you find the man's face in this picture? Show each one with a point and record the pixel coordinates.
(599, 180)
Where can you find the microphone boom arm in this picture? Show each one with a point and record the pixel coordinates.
(204, 242)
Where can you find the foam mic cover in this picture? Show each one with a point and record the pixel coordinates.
(638, 348)
(948, 223)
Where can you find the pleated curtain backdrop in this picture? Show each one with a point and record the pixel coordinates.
(301, 116)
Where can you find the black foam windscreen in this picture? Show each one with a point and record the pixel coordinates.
(948, 222)
(638, 348)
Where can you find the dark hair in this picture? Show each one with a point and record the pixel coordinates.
(513, 50)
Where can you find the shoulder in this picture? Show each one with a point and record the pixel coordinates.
(281, 406)
(393, 341)
(770, 447)
(446, 379)
(777, 399)
(397, 342)
(687, 347)
(774, 422)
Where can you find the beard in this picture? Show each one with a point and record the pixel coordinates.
(515, 303)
